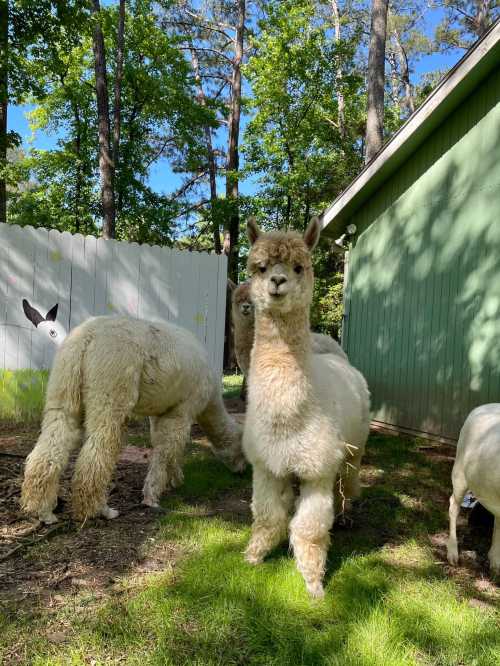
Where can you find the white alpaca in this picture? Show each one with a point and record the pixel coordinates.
(477, 468)
(48, 326)
(107, 370)
(308, 414)
(243, 316)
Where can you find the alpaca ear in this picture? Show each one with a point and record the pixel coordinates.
(52, 313)
(253, 230)
(32, 313)
(231, 284)
(311, 237)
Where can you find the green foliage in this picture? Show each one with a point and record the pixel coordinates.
(294, 143)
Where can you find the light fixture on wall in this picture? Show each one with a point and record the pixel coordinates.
(341, 241)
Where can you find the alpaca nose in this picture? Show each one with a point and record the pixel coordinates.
(278, 279)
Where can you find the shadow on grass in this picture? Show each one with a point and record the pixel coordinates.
(388, 601)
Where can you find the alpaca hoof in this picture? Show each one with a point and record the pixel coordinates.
(48, 518)
(494, 565)
(153, 505)
(453, 556)
(253, 556)
(109, 513)
(315, 589)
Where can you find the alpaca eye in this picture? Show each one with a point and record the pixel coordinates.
(298, 269)
(52, 333)
(262, 269)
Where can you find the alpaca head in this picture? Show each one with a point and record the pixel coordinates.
(47, 325)
(242, 306)
(280, 267)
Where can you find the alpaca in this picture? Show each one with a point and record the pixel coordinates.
(47, 325)
(243, 316)
(108, 369)
(477, 467)
(308, 414)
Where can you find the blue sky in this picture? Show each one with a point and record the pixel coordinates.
(161, 178)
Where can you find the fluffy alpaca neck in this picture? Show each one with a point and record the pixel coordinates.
(280, 364)
(220, 428)
(243, 340)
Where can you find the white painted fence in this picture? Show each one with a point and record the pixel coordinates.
(88, 276)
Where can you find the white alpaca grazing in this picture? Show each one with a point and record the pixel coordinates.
(107, 370)
(308, 414)
(477, 468)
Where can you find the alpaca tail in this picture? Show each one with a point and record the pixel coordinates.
(61, 429)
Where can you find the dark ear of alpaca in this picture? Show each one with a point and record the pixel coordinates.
(32, 313)
(52, 313)
(231, 284)
(311, 237)
(253, 230)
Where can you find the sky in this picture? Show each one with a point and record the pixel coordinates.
(161, 177)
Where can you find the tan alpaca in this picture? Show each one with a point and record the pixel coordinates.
(307, 413)
(106, 370)
(243, 316)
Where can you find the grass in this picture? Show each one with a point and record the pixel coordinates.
(232, 385)
(22, 393)
(389, 601)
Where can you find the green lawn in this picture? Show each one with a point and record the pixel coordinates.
(22, 393)
(390, 597)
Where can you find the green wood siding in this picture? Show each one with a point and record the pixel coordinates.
(423, 302)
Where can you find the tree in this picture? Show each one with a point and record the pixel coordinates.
(376, 80)
(464, 21)
(4, 59)
(106, 165)
(294, 141)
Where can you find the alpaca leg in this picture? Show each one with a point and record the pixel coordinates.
(60, 434)
(169, 435)
(270, 508)
(494, 552)
(95, 466)
(459, 490)
(309, 532)
(352, 465)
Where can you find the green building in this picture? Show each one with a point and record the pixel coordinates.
(422, 297)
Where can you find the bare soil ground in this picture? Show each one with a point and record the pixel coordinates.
(40, 563)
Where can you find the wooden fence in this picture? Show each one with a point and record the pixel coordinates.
(87, 276)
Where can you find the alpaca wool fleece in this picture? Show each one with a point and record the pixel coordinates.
(107, 370)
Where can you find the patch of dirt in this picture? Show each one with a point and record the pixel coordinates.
(41, 565)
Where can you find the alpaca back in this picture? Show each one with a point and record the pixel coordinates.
(343, 394)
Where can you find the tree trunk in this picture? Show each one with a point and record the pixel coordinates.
(405, 72)
(118, 91)
(482, 20)
(4, 95)
(79, 174)
(376, 80)
(338, 76)
(232, 165)
(106, 166)
(212, 167)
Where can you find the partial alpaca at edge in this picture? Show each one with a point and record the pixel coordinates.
(308, 414)
(477, 468)
(107, 370)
